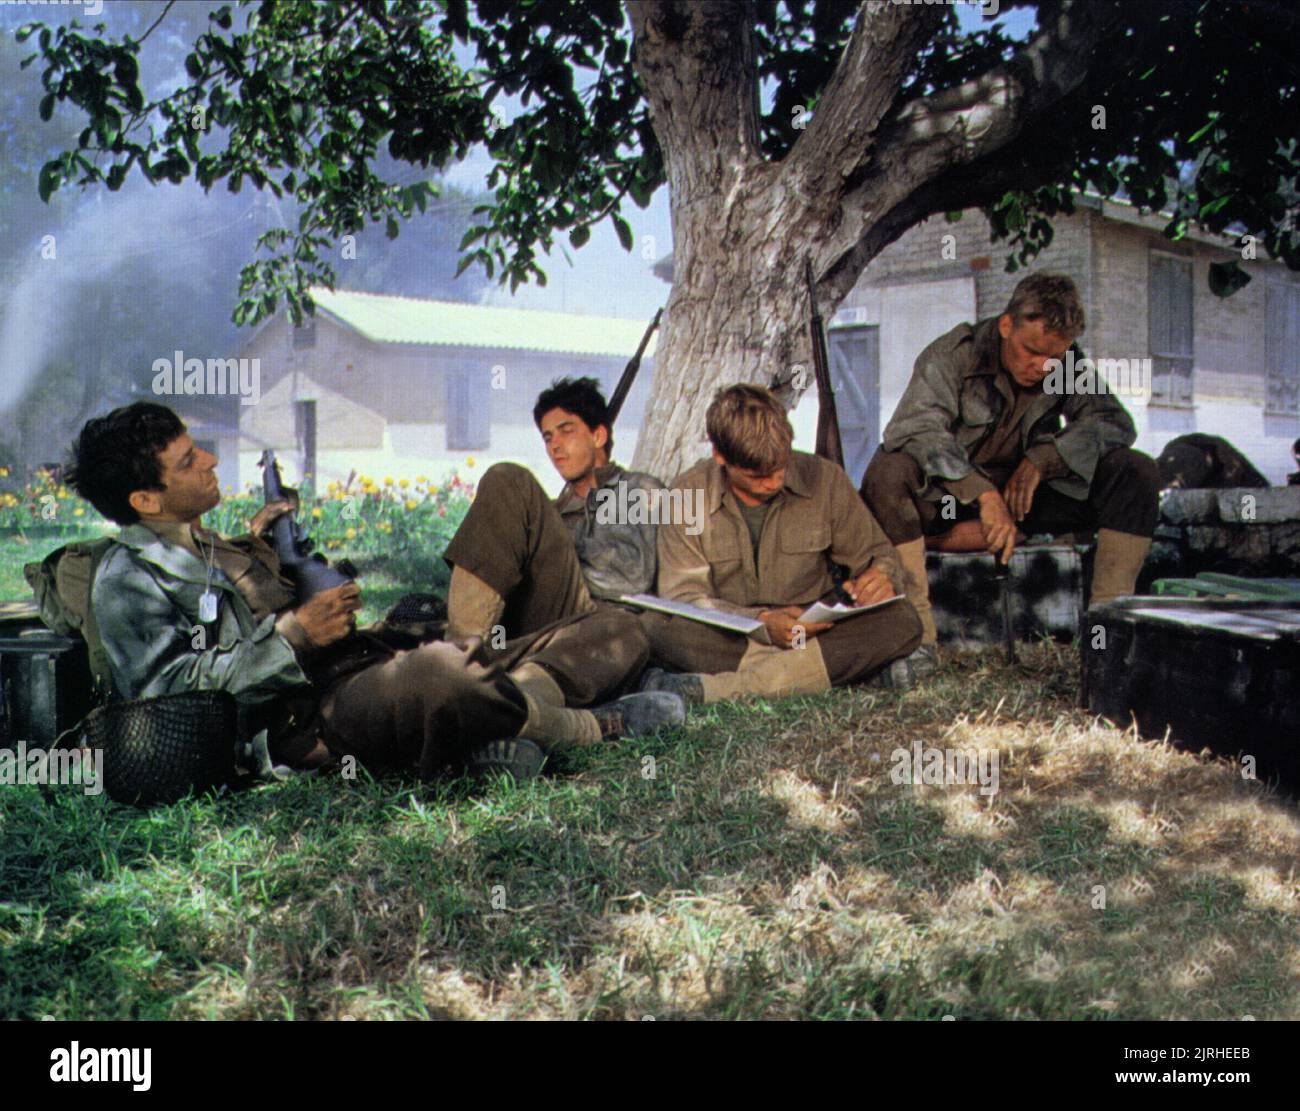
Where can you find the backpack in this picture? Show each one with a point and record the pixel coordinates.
(61, 583)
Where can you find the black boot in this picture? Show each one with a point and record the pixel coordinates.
(687, 684)
(634, 715)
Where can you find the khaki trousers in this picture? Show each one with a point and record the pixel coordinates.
(735, 665)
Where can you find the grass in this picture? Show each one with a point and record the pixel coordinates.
(760, 862)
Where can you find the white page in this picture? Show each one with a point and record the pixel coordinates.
(838, 612)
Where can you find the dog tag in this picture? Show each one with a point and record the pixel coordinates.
(208, 606)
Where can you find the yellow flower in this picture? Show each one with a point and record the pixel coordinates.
(316, 512)
(410, 504)
(4, 472)
(78, 511)
(388, 480)
(418, 478)
(332, 487)
(351, 534)
(403, 484)
(331, 544)
(433, 489)
(470, 461)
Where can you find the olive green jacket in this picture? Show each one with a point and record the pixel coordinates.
(146, 599)
(953, 402)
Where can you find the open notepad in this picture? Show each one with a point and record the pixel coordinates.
(738, 623)
(719, 619)
(838, 612)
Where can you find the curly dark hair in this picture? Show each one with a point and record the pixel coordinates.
(118, 454)
(582, 397)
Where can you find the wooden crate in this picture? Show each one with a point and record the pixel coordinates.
(1046, 594)
(1223, 675)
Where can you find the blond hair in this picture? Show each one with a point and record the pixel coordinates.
(749, 429)
(1051, 298)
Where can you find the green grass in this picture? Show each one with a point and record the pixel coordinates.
(757, 863)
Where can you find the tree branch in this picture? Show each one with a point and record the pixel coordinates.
(926, 158)
(880, 52)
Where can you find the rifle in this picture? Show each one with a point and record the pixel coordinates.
(624, 386)
(828, 421)
(310, 573)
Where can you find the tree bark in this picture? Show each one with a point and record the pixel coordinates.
(865, 170)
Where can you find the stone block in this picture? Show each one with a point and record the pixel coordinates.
(1189, 507)
(1203, 539)
(1273, 505)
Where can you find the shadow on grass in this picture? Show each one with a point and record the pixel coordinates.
(757, 863)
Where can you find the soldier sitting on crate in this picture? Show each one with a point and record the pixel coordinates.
(978, 435)
(179, 607)
(520, 561)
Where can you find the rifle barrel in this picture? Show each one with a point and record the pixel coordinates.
(624, 386)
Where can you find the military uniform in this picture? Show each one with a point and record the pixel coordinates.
(381, 694)
(815, 519)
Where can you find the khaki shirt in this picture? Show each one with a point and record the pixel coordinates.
(816, 517)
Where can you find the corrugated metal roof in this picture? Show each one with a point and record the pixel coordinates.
(386, 319)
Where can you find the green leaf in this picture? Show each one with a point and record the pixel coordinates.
(47, 106)
(624, 232)
(393, 229)
(476, 232)
(1226, 278)
(51, 178)
(579, 235)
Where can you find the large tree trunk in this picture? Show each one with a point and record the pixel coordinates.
(862, 173)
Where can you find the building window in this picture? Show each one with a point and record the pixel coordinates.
(1170, 322)
(1282, 346)
(304, 337)
(469, 410)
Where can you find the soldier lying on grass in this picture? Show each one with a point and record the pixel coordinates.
(182, 608)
